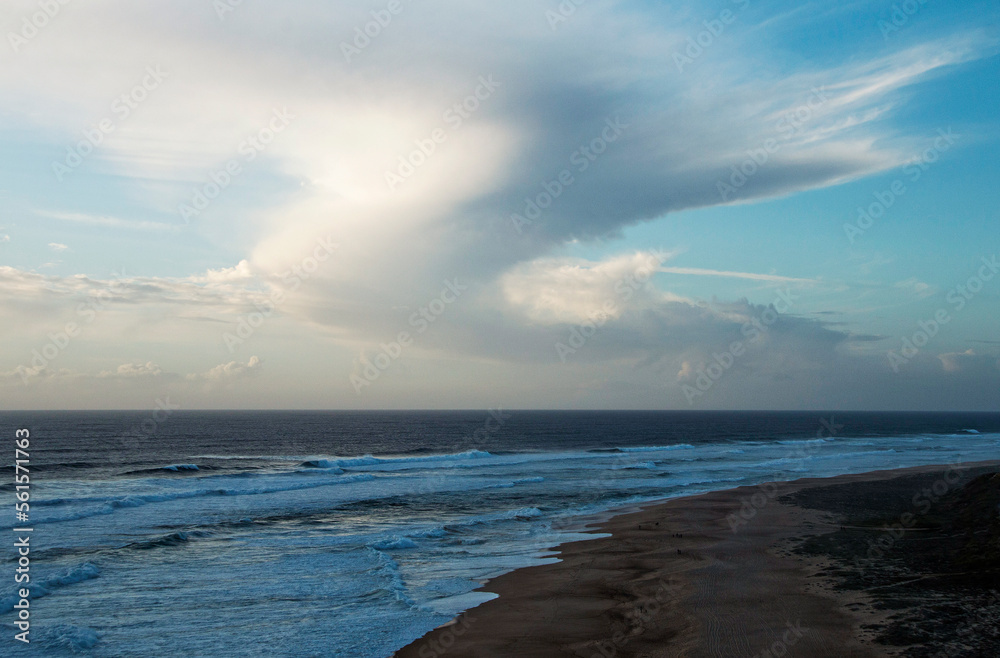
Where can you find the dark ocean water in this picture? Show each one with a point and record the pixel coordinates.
(117, 442)
(352, 533)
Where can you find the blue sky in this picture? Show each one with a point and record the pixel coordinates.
(848, 104)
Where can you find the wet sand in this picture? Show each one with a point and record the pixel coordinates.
(742, 572)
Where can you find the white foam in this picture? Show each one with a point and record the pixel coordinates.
(110, 506)
(508, 485)
(640, 465)
(450, 605)
(45, 586)
(678, 446)
(66, 636)
(394, 544)
(429, 533)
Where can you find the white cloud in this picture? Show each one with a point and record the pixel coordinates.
(522, 136)
(231, 370)
(969, 360)
(130, 370)
(239, 273)
(917, 287)
(553, 291)
(687, 372)
(229, 289)
(57, 246)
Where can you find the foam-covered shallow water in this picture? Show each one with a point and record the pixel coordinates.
(351, 534)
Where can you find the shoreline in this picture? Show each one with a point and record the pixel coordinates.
(750, 571)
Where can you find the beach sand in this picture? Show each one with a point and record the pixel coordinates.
(885, 563)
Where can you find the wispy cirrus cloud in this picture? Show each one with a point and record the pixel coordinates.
(752, 276)
(105, 221)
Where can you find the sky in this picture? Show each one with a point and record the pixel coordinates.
(601, 204)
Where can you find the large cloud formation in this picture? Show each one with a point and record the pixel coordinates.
(463, 144)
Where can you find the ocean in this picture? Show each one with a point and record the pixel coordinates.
(354, 533)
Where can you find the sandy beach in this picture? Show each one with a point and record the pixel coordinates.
(901, 562)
